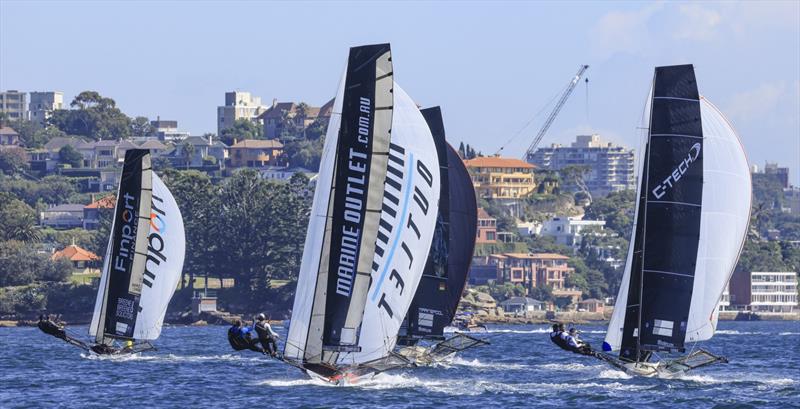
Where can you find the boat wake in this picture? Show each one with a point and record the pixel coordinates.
(475, 363)
(172, 358)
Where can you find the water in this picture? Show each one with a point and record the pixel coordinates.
(194, 366)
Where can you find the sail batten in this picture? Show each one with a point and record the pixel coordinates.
(691, 220)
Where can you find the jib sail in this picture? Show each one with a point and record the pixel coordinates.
(144, 259)
(691, 220)
(445, 275)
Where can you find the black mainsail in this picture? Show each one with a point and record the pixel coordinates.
(692, 212)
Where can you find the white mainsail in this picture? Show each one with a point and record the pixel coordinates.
(408, 218)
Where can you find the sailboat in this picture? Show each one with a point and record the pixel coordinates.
(370, 229)
(142, 264)
(436, 300)
(692, 215)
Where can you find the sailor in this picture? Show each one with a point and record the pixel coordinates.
(51, 327)
(241, 337)
(577, 345)
(266, 335)
(558, 337)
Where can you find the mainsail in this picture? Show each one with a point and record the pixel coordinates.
(144, 258)
(445, 275)
(690, 223)
(372, 217)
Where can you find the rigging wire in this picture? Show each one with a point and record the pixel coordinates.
(534, 117)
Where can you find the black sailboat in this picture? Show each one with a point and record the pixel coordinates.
(692, 212)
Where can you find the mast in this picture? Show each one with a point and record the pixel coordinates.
(666, 241)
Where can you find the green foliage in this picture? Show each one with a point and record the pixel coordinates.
(13, 160)
(70, 156)
(304, 153)
(92, 116)
(502, 292)
(140, 126)
(33, 135)
(50, 190)
(241, 129)
(17, 219)
(22, 265)
(617, 209)
(542, 293)
(48, 296)
(317, 129)
(761, 256)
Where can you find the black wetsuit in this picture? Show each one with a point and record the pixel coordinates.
(51, 328)
(266, 337)
(583, 349)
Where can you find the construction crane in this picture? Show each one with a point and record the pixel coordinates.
(570, 87)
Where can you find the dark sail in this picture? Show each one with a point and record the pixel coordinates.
(668, 225)
(436, 300)
(128, 247)
(353, 165)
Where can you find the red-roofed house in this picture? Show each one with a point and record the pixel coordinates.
(533, 269)
(255, 153)
(80, 258)
(501, 178)
(91, 212)
(487, 227)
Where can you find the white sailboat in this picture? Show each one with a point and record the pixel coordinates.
(691, 221)
(142, 265)
(370, 229)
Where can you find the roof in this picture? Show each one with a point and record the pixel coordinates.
(326, 109)
(120, 143)
(61, 141)
(152, 144)
(68, 207)
(521, 300)
(106, 202)
(258, 144)
(195, 140)
(7, 130)
(276, 110)
(75, 253)
(550, 256)
(482, 214)
(497, 162)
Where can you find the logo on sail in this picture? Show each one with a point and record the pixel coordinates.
(127, 242)
(155, 242)
(678, 172)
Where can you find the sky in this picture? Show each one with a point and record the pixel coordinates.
(493, 67)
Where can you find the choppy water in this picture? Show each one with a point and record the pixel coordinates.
(194, 366)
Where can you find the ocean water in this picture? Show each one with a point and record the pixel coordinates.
(194, 366)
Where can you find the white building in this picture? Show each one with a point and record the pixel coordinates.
(238, 105)
(167, 130)
(43, 104)
(765, 292)
(773, 292)
(568, 230)
(13, 104)
(611, 167)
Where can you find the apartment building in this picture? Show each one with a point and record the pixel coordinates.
(43, 104)
(611, 167)
(765, 292)
(238, 105)
(14, 104)
(505, 179)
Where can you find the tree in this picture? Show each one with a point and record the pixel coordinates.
(462, 152)
(241, 129)
(17, 219)
(187, 153)
(13, 160)
(22, 265)
(140, 126)
(70, 156)
(93, 116)
(304, 153)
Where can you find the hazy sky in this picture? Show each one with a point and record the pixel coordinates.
(491, 66)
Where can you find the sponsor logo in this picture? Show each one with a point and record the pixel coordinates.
(678, 172)
(155, 241)
(127, 239)
(354, 204)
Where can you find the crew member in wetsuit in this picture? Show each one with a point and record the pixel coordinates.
(241, 337)
(51, 327)
(576, 345)
(266, 335)
(557, 336)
